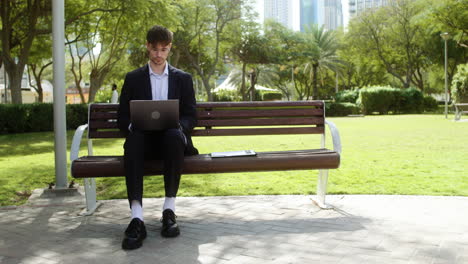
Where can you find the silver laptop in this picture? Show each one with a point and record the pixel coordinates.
(149, 115)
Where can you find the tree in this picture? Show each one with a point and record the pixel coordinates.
(251, 48)
(39, 60)
(320, 52)
(201, 33)
(22, 21)
(393, 36)
(287, 47)
(452, 14)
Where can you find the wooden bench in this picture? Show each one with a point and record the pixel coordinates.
(219, 119)
(460, 108)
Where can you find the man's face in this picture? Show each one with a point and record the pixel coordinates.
(158, 52)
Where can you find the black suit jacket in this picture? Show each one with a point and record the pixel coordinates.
(137, 86)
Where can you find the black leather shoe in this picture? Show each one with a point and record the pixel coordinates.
(134, 234)
(169, 224)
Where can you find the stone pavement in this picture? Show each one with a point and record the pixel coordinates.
(246, 229)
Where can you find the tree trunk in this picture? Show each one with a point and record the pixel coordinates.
(315, 88)
(15, 76)
(80, 91)
(95, 82)
(242, 89)
(206, 84)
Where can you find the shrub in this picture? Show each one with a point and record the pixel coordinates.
(430, 104)
(341, 109)
(347, 96)
(386, 99)
(460, 84)
(40, 117)
(377, 99)
(409, 101)
(20, 118)
(271, 96)
(226, 96)
(77, 115)
(13, 118)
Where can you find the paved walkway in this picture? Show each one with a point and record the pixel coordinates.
(250, 229)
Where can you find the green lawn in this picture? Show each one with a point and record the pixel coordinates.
(400, 154)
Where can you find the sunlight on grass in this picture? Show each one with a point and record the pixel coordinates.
(401, 154)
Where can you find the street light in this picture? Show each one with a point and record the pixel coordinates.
(445, 36)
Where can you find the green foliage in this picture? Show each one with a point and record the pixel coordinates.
(341, 109)
(77, 115)
(13, 118)
(21, 118)
(226, 96)
(430, 104)
(387, 99)
(377, 99)
(349, 96)
(460, 84)
(40, 117)
(272, 96)
(103, 95)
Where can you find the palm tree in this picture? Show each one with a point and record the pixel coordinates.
(320, 52)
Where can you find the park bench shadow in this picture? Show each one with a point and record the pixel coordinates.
(94, 239)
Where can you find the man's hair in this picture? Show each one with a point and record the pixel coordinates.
(159, 34)
(114, 86)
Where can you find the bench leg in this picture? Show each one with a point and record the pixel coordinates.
(322, 190)
(90, 193)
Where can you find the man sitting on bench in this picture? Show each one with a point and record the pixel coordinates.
(156, 81)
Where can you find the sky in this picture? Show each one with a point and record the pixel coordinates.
(259, 8)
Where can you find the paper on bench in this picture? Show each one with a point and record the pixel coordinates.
(239, 153)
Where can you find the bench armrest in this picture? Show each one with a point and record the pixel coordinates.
(75, 146)
(335, 136)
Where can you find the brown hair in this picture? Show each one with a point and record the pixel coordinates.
(159, 34)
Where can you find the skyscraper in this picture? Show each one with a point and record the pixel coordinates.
(322, 12)
(333, 14)
(280, 11)
(358, 6)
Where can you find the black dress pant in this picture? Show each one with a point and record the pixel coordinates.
(166, 145)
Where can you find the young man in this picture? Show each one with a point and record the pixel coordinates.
(115, 94)
(156, 81)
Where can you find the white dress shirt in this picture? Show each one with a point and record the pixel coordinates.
(115, 97)
(159, 83)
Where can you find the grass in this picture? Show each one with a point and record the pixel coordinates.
(394, 154)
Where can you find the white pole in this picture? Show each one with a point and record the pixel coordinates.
(60, 128)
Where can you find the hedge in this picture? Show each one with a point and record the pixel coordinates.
(387, 99)
(347, 96)
(21, 118)
(341, 109)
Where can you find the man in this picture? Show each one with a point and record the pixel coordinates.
(156, 81)
(115, 94)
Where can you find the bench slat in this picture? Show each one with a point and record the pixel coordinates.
(259, 104)
(105, 134)
(257, 131)
(103, 115)
(209, 114)
(261, 122)
(102, 124)
(112, 166)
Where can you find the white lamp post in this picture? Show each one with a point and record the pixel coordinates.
(446, 36)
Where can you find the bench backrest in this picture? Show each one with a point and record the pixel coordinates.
(230, 119)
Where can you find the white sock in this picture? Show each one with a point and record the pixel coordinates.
(169, 203)
(137, 210)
